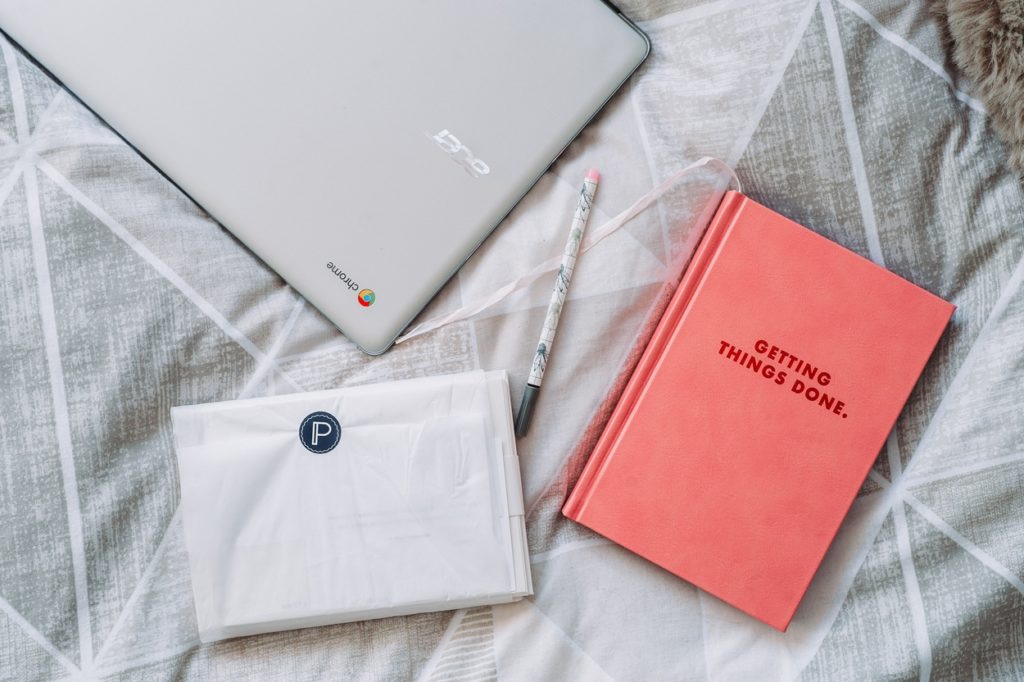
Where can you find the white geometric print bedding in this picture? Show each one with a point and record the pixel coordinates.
(120, 299)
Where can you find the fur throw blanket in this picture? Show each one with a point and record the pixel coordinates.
(988, 47)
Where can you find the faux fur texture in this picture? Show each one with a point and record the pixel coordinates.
(988, 48)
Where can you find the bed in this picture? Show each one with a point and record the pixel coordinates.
(121, 298)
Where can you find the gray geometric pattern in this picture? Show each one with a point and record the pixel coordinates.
(469, 650)
(120, 299)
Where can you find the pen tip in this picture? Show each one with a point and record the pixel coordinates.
(593, 174)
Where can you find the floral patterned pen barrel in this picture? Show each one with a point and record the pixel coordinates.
(558, 296)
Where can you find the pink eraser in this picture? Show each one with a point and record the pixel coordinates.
(593, 174)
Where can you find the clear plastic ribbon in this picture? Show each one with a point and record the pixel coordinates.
(592, 239)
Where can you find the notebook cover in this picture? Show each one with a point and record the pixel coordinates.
(766, 393)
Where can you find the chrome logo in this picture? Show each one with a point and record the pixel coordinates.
(367, 297)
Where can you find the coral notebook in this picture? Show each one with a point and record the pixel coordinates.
(757, 409)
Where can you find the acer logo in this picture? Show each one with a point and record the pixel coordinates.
(460, 153)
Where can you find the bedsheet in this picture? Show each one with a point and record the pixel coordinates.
(120, 298)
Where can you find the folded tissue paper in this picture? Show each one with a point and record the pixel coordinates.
(350, 504)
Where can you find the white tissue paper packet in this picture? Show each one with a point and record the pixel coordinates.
(364, 502)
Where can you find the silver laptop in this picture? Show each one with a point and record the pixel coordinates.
(363, 150)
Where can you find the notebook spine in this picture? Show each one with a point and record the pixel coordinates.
(724, 216)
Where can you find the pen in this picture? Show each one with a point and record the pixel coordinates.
(558, 296)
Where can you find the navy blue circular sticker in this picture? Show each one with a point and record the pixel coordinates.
(320, 432)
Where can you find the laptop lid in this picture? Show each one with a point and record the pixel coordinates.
(362, 150)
